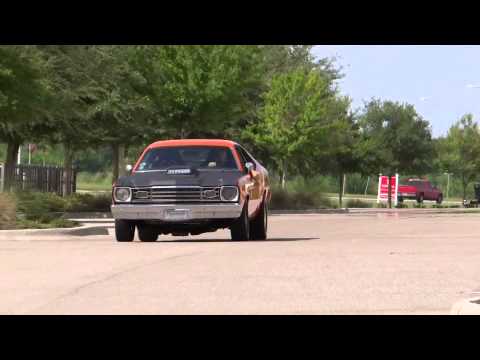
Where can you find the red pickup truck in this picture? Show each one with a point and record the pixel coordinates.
(419, 190)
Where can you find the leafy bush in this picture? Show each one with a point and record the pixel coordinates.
(48, 207)
(88, 202)
(401, 206)
(41, 207)
(7, 212)
(419, 206)
(381, 205)
(298, 200)
(357, 203)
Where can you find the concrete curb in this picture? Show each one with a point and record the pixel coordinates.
(107, 215)
(84, 230)
(88, 215)
(312, 211)
(415, 211)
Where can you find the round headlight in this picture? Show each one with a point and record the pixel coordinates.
(123, 194)
(229, 193)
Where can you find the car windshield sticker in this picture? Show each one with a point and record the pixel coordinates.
(179, 171)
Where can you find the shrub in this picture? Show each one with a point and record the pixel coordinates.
(298, 200)
(357, 203)
(381, 205)
(42, 207)
(88, 202)
(419, 206)
(47, 207)
(7, 212)
(401, 206)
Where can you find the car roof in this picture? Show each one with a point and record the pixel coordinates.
(194, 142)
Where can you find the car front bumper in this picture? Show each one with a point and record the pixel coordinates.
(176, 212)
(407, 195)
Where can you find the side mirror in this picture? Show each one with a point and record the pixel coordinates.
(129, 168)
(249, 166)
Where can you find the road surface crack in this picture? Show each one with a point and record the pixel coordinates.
(109, 277)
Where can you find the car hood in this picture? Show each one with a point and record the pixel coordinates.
(196, 178)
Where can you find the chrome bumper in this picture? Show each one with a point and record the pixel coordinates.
(407, 195)
(177, 212)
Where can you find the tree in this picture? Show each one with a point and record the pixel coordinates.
(120, 110)
(198, 90)
(74, 79)
(459, 151)
(24, 99)
(394, 138)
(279, 60)
(340, 156)
(297, 119)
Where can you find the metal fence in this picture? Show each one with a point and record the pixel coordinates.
(39, 178)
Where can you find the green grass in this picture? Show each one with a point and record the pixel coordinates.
(299, 199)
(355, 203)
(94, 182)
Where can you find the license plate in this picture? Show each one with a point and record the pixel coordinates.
(177, 214)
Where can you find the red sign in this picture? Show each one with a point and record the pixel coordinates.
(383, 188)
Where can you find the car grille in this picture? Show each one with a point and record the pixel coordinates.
(176, 194)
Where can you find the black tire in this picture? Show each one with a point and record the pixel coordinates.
(124, 230)
(259, 225)
(420, 199)
(147, 233)
(400, 199)
(240, 229)
(439, 199)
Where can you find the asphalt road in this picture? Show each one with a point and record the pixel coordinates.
(312, 264)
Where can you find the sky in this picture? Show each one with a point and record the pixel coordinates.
(442, 82)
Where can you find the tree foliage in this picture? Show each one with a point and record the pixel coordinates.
(301, 112)
(394, 139)
(459, 151)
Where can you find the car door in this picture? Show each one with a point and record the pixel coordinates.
(428, 191)
(256, 190)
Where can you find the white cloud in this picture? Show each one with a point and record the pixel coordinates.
(473, 86)
(425, 98)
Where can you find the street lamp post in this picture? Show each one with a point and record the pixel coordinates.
(448, 182)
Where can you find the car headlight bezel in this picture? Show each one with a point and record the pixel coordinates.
(123, 199)
(231, 198)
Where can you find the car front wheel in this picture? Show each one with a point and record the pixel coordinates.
(240, 229)
(147, 233)
(258, 226)
(124, 230)
(439, 199)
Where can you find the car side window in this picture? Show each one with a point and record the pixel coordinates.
(247, 156)
(241, 154)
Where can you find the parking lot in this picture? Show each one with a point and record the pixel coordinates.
(388, 263)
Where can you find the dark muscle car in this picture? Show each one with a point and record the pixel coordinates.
(189, 187)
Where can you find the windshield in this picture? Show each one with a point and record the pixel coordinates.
(199, 157)
(414, 183)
